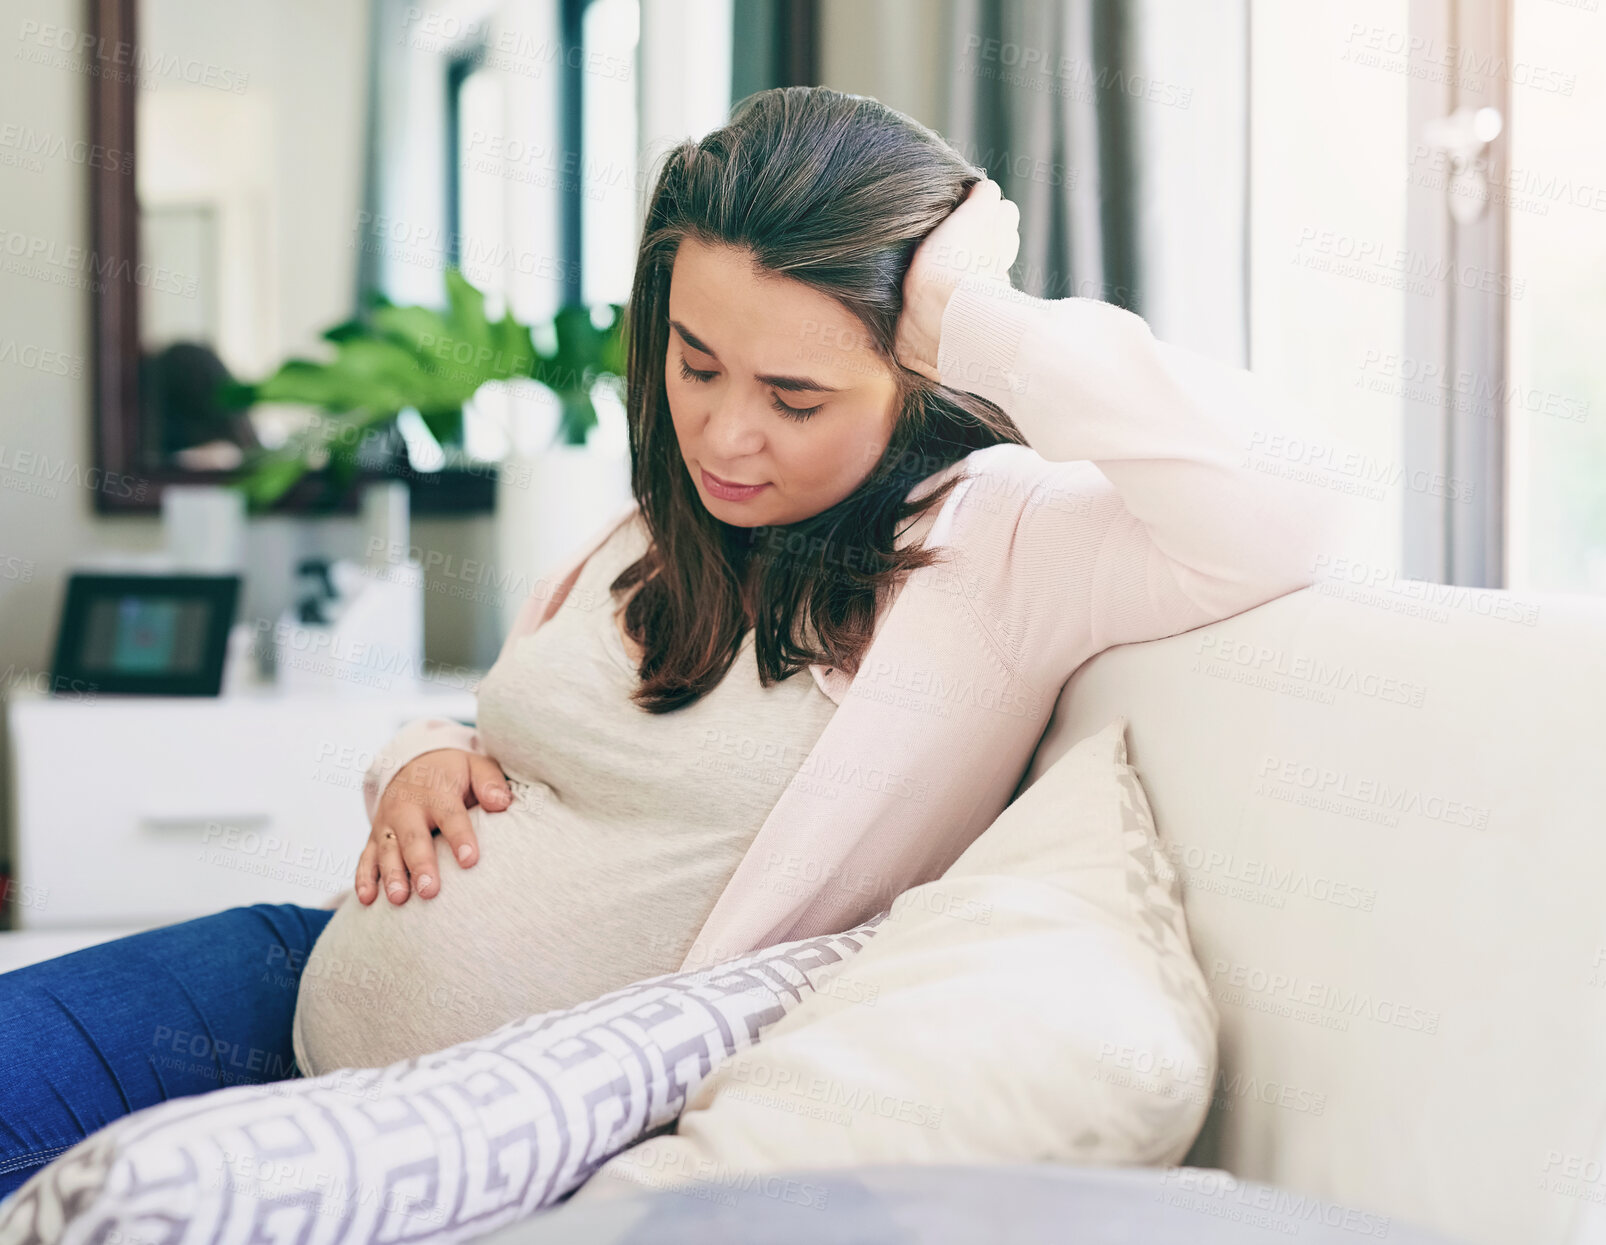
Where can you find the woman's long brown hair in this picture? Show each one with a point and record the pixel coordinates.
(835, 191)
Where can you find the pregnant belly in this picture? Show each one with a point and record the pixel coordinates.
(554, 913)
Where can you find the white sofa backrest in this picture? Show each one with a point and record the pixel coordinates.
(1389, 812)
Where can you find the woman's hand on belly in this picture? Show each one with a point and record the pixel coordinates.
(432, 791)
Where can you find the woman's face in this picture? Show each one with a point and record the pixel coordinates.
(773, 387)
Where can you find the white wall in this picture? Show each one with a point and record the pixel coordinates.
(1191, 197)
(1328, 153)
(44, 416)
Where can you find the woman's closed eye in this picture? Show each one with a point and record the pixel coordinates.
(691, 373)
(688, 372)
(793, 412)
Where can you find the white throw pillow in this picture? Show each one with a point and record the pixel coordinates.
(1038, 1002)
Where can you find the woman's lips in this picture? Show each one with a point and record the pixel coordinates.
(726, 491)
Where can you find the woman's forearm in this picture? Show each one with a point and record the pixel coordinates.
(1183, 439)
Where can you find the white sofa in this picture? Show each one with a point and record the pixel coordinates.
(1388, 807)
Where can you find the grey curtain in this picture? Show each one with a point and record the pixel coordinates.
(1120, 127)
(1035, 99)
(773, 43)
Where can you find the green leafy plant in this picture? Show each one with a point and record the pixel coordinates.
(399, 358)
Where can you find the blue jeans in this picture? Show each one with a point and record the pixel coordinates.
(88, 1037)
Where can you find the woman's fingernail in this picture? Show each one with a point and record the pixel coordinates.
(424, 882)
(464, 851)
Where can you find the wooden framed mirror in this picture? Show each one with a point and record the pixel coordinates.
(203, 280)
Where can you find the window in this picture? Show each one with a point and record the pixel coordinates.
(1428, 224)
(1327, 211)
(1555, 192)
(475, 182)
(609, 214)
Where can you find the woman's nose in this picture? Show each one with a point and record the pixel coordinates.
(734, 430)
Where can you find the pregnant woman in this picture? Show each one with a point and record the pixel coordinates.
(884, 505)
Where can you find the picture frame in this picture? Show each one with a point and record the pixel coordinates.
(145, 635)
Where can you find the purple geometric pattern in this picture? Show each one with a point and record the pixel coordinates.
(441, 1148)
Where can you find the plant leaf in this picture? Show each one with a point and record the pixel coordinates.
(396, 358)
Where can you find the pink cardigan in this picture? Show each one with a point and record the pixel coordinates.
(1136, 513)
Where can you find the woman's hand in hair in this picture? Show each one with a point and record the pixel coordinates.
(974, 245)
(434, 789)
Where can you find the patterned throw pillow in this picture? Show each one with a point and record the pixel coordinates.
(444, 1147)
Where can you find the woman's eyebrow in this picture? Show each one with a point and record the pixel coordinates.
(691, 339)
(792, 384)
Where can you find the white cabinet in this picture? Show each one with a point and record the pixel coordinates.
(145, 810)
